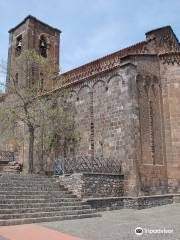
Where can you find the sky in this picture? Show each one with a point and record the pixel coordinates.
(90, 28)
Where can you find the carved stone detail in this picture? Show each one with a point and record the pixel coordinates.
(170, 58)
(150, 119)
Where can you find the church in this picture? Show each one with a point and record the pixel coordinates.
(127, 112)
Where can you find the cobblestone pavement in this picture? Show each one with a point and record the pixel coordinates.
(121, 224)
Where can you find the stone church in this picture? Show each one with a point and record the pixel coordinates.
(128, 112)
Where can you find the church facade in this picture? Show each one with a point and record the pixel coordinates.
(128, 108)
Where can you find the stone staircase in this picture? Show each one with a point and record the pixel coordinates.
(31, 199)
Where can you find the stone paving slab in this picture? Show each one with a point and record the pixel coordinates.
(121, 224)
(32, 232)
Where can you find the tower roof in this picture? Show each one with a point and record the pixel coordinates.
(34, 18)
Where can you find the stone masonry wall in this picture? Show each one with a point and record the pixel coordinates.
(108, 120)
(152, 167)
(94, 185)
(170, 78)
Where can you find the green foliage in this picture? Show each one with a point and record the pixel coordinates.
(26, 110)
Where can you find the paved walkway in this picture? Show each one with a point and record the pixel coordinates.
(32, 232)
(121, 224)
(158, 223)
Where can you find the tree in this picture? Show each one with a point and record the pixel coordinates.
(47, 116)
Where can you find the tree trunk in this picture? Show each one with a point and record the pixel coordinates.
(31, 149)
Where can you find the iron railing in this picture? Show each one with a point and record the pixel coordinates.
(6, 156)
(87, 164)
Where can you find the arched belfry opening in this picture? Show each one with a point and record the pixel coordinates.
(18, 45)
(43, 46)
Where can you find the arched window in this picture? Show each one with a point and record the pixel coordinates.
(16, 79)
(41, 82)
(43, 46)
(18, 45)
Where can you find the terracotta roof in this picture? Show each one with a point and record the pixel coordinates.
(101, 64)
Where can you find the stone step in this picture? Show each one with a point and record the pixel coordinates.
(51, 182)
(19, 177)
(10, 169)
(32, 198)
(28, 193)
(50, 185)
(33, 188)
(49, 197)
(4, 163)
(31, 184)
(43, 209)
(30, 201)
(5, 185)
(27, 181)
(41, 205)
(46, 214)
(45, 219)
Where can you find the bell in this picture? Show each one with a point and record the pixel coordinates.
(42, 44)
(19, 44)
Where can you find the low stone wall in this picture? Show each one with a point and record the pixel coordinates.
(147, 201)
(173, 186)
(176, 198)
(102, 204)
(73, 182)
(106, 204)
(94, 185)
(106, 192)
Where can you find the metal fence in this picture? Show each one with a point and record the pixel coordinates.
(6, 156)
(86, 164)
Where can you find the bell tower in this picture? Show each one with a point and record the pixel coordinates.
(31, 33)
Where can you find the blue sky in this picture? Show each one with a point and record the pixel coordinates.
(91, 28)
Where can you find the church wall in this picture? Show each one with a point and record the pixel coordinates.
(151, 163)
(127, 108)
(109, 119)
(83, 120)
(108, 122)
(170, 78)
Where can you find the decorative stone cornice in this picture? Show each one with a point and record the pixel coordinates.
(170, 58)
